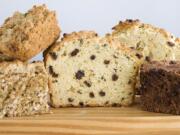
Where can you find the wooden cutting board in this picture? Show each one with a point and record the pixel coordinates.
(93, 121)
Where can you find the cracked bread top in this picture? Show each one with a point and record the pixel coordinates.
(24, 35)
(89, 36)
(69, 37)
(151, 42)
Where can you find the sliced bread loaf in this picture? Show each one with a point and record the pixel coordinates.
(23, 89)
(86, 70)
(160, 86)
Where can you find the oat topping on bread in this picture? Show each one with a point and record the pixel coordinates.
(24, 35)
(23, 89)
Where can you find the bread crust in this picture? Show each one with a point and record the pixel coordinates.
(23, 36)
(177, 50)
(130, 24)
(68, 37)
(89, 35)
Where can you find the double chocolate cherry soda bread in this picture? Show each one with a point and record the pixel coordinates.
(23, 89)
(160, 87)
(86, 70)
(24, 35)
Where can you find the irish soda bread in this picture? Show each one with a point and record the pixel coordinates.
(86, 70)
(22, 36)
(160, 87)
(152, 43)
(23, 89)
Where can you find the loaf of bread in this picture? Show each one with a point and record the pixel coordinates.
(151, 42)
(86, 70)
(160, 87)
(23, 89)
(23, 36)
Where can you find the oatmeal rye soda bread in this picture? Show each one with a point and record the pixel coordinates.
(152, 43)
(160, 87)
(22, 36)
(24, 89)
(86, 70)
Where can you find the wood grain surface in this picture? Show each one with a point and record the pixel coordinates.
(93, 121)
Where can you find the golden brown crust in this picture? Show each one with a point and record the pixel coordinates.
(89, 35)
(127, 24)
(177, 40)
(79, 35)
(69, 37)
(23, 36)
(130, 24)
(177, 49)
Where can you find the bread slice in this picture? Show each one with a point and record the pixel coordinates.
(86, 70)
(151, 42)
(24, 89)
(23, 36)
(160, 87)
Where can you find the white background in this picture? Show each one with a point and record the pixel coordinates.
(102, 15)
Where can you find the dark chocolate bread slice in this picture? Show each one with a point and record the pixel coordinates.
(160, 87)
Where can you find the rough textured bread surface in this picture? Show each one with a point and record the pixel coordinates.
(23, 36)
(160, 87)
(86, 70)
(23, 89)
(152, 43)
(177, 50)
